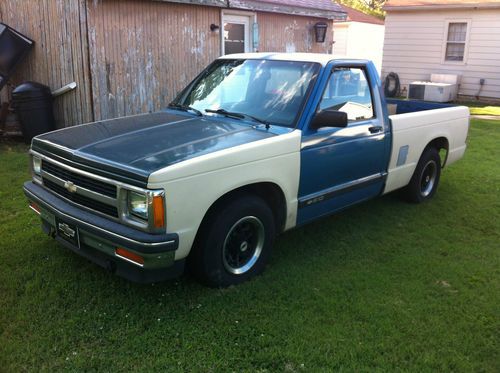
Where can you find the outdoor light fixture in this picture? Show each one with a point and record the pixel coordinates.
(214, 27)
(320, 31)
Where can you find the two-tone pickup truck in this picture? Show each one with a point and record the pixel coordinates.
(255, 145)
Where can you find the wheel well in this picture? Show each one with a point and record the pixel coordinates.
(440, 143)
(269, 192)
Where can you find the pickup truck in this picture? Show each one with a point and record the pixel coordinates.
(255, 145)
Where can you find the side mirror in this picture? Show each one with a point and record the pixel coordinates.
(329, 118)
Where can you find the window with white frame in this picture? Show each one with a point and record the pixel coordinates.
(455, 41)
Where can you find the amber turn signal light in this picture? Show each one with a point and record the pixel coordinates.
(158, 211)
(137, 259)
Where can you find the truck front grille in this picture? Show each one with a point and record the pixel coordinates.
(80, 188)
(81, 200)
(80, 180)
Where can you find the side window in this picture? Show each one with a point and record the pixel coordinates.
(348, 91)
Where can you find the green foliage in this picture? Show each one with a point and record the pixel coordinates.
(372, 7)
(385, 286)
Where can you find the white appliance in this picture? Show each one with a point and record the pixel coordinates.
(441, 88)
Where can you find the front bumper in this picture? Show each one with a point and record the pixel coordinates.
(97, 239)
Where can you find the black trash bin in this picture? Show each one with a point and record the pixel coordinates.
(33, 104)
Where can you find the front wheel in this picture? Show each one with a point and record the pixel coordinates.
(234, 243)
(425, 179)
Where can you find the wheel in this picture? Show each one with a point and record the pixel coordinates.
(234, 242)
(425, 179)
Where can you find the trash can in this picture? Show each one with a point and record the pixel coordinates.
(33, 104)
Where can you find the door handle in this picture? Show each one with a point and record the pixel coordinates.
(375, 129)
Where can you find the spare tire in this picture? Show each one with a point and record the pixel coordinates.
(391, 85)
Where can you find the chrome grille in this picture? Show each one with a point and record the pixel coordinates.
(80, 188)
(81, 200)
(80, 180)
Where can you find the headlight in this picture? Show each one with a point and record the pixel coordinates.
(148, 207)
(37, 166)
(138, 204)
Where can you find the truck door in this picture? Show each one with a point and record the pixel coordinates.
(343, 166)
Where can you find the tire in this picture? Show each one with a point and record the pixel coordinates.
(425, 179)
(234, 243)
(388, 90)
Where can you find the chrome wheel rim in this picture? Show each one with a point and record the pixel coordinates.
(428, 178)
(243, 245)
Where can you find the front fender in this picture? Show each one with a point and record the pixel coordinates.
(192, 187)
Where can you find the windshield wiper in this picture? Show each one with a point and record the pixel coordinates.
(185, 108)
(235, 114)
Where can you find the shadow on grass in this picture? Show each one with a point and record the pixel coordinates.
(332, 243)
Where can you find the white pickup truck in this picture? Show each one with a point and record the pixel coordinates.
(255, 145)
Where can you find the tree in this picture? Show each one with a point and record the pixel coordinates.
(372, 7)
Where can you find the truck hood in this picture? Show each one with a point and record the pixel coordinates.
(134, 147)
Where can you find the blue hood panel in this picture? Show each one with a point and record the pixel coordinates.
(139, 145)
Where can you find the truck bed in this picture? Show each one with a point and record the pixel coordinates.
(412, 106)
(415, 125)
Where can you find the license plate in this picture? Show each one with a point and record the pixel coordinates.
(68, 232)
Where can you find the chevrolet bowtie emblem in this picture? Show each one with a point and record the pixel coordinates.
(70, 187)
(66, 230)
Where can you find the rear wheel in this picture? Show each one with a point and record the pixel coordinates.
(234, 242)
(425, 179)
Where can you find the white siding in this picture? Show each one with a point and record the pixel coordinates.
(359, 40)
(340, 35)
(414, 48)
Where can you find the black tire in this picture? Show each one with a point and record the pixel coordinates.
(389, 89)
(425, 179)
(234, 242)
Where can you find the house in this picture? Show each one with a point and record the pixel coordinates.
(459, 37)
(134, 56)
(359, 36)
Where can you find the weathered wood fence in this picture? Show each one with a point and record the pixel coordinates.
(128, 56)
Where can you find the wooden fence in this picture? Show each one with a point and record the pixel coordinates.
(129, 56)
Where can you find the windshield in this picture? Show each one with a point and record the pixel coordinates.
(272, 91)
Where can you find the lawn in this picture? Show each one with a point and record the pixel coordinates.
(478, 108)
(383, 286)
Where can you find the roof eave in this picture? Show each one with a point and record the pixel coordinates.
(254, 5)
(389, 8)
(287, 9)
(215, 3)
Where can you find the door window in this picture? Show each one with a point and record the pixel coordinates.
(348, 91)
(234, 38)
(236, 34)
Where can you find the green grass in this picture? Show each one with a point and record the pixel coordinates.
(383, 286)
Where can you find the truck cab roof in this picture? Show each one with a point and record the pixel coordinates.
(321, 58)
